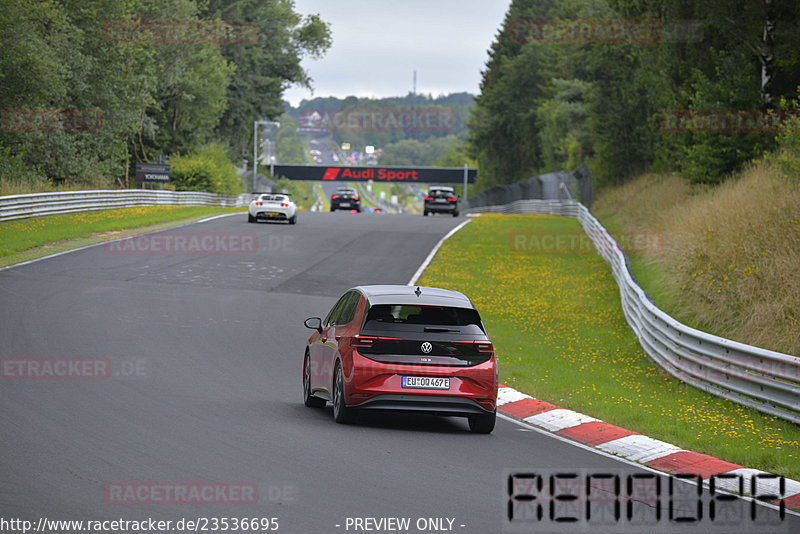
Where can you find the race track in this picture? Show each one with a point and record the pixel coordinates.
(205, 353)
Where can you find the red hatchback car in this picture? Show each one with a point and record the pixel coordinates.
(402, 349)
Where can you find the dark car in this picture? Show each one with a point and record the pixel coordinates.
(441, 199)
(345, 198)
(402, 349)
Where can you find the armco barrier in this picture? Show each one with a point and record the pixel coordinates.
(22, 206)
(762, 379)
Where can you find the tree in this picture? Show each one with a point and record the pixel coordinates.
(267, 67)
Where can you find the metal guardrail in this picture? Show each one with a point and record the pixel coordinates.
(561, 185)
(762, 379)
(33, 205)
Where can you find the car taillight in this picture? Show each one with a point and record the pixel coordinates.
(484, 346)
(363, 341)
(258, 203)
(369, 341)
(480, 346)
(334, 197)
(355, 198)
(452, 199)
(428, 198)
(285, 205)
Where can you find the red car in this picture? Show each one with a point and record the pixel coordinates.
(402, 349)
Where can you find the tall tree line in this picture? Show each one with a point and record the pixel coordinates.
(548, 103)
(154, 97)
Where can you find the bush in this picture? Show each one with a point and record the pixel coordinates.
(206, 168)
(788, 153)
(13, 169)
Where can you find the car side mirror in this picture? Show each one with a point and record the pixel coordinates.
(314, 323)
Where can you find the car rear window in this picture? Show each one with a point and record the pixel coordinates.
(404, 317)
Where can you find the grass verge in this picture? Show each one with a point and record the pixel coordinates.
(728, 257)
(560, 336)
(27, 239)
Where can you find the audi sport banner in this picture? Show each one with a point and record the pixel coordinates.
(436, 175)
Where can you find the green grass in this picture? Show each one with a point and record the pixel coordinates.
(560, 336)
(26, 239)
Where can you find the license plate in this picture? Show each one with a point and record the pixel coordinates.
(441, 200)
(426, 382)
(345, 204)
(273, 213)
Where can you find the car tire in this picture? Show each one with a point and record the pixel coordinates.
(250, 218)
(455, 214)
(482, 423)
(308, 399)
(293, 219)
(333, 209)
(341, 413)
(425, 213)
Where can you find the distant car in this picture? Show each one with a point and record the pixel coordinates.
(345, 198)
(402, 349)
(441, 199)
(273, 207)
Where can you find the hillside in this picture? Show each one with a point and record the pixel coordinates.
(725, 258)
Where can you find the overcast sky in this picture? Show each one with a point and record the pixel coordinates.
(377, 45)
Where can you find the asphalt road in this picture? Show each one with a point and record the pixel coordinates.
(205, 353)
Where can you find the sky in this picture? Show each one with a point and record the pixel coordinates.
(377, 45)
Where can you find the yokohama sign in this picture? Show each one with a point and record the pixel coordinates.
(438, 175)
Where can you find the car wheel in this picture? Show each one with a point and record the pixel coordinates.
(250, 218)
(341, 413)
(308, 399)
(293, 219)
(483, 423)
(425, 213)
(455, 214)
(333, 209)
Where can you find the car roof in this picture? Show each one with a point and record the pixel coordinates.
(407, 295)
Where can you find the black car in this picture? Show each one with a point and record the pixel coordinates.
(441, 199)
(345, 198)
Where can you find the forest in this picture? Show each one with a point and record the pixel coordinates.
(90, 87)
(634, 86)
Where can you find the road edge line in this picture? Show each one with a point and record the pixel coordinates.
(433, 252)
(56, 254)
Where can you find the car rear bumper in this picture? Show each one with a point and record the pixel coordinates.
(272, 215)
(434, 405)
(443, 208)
(374, 385)
(352, 206)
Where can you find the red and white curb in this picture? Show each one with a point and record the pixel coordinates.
(633, 446)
